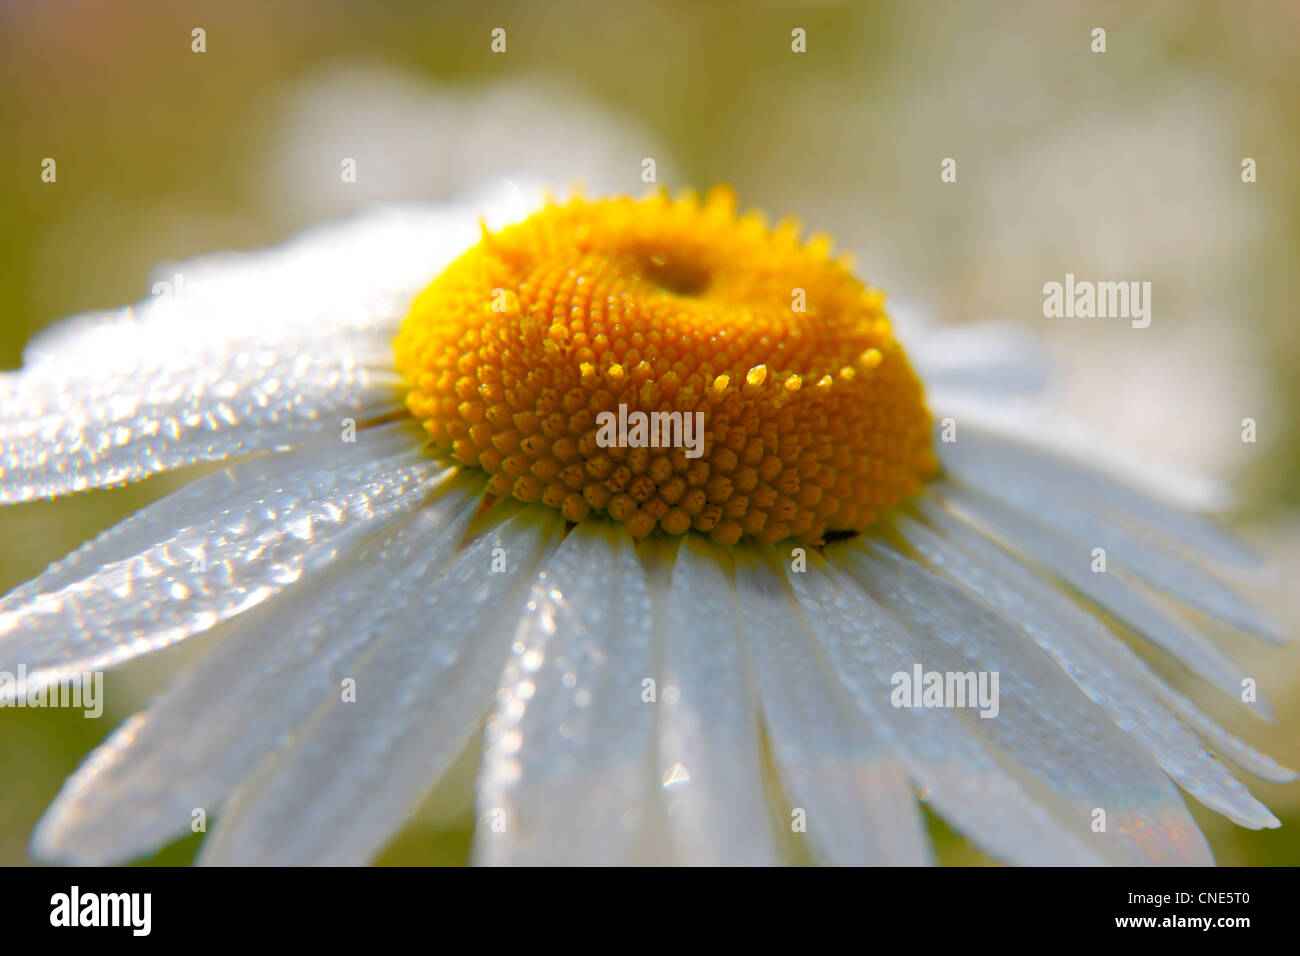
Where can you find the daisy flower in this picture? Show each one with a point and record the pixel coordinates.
(676, 648)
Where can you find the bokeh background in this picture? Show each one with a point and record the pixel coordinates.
(1122, 165)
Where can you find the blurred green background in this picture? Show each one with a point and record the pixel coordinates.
(1122, 165)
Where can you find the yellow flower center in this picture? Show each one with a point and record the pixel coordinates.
(671, 365)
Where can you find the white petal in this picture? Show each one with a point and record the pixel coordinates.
(104, 427)
(1099, 663)
(569, 773)
(711, 777)
(1111, 590)
(1071, 467)
(1143, 555)
(962, 778)
(859, 808)
(256, 352)
(250, 694)
(1241, 753)
(1104, 666)
(212, 550)
(1044, 727)
(358, 769)
(992, 361)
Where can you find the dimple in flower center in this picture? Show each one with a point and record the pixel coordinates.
(653, 316)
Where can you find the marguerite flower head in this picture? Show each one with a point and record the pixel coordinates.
(642, 503)
(814, 420)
